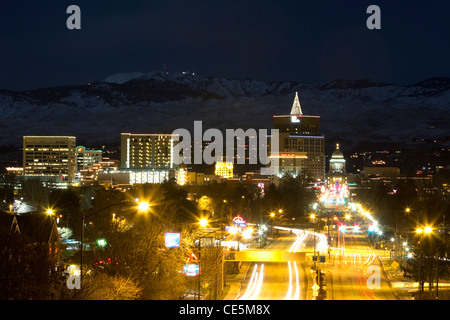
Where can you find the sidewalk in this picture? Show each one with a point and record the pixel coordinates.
(235, 282)
(405, 288)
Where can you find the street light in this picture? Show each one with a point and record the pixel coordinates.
(421, 232)
(408, 211)
(50, 211)
(272, 217)
(425, 230)
(312, 216)
(141, 206)
(203, 222)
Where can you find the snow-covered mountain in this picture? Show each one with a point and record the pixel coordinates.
(351, 111)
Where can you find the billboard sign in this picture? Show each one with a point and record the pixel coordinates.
(172, 239)
(191, 270)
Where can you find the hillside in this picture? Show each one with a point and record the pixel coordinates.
(351, 111)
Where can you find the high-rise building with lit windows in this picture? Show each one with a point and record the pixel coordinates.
(50, 156)
(147, 151)
(224, 169)
(301, 145)
(86, 158)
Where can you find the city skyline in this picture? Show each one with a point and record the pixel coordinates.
(258, 151)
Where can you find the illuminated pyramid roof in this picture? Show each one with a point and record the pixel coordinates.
(296, 108)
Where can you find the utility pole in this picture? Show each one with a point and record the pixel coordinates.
(437, 277)
(199, 264)
(420, 270)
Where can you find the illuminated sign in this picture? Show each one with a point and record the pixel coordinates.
(192, 257)
(239, 221)
(191, 270)
(172, 239)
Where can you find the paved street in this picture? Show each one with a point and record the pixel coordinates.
(353, 272)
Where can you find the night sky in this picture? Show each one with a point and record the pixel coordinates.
(310, 41)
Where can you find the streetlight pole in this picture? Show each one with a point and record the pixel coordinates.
(199, 261)
(272, 217)
(203, 223)
(437, 277)
(312, 216)
(421, 232)
(141, 206)
(420, 269)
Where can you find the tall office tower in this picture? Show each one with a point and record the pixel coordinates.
(147, 151)
(301, 146)
(86, 158)
(50, 156)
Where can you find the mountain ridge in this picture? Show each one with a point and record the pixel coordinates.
(350, 110)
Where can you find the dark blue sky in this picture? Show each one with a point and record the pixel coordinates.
(311, 41)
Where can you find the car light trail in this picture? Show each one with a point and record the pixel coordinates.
(289, 293)
(256, 281)
(370, 258)
(255, 284)
(300, 241)
(250, 284)
(258, 285)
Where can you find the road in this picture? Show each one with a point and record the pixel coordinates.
(353, 271)
(356, 272)
(279, 280)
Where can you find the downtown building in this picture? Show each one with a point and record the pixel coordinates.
(337, 173)
(86, 158)
(147, 158)
(50, 157)
(301, 145)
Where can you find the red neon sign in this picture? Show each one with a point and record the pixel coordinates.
(238, 220)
